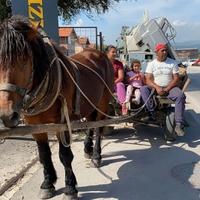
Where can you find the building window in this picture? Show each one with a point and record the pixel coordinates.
(63, 40)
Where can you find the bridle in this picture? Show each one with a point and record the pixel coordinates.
(21, 91)
(37, 100)
(9, 87)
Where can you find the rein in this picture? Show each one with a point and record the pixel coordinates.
(9, 87)
(13, 88)
(137, 111)
(44, 96)
(91, 61)
(81, 91)
(48, 92)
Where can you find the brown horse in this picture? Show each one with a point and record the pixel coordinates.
(36, 83)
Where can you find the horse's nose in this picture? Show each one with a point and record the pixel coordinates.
(11, 120)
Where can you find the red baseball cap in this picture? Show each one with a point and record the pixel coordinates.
(160, 46)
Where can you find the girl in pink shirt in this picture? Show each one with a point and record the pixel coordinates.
(135, 79)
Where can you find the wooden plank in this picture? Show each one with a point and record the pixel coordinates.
(23, 130)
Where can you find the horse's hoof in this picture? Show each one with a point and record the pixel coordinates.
(95, 163)
(47, 193)
(70, 197)
(87, 155)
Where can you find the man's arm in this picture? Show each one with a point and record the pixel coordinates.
(150, 82)
(173, 83)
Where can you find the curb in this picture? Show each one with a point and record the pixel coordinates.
(10, 182)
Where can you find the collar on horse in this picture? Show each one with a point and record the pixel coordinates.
(48, 91)
(44, 96)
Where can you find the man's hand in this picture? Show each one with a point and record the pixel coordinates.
(160, 91)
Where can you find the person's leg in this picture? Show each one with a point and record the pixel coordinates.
(145, 92)
(137, 95)
(129, 91)
(178, 96)
(121, 93)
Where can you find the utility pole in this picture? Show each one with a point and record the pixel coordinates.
(100, 41)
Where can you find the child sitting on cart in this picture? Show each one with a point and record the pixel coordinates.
(135, 79)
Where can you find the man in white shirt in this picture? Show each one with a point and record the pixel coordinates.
(162, 75)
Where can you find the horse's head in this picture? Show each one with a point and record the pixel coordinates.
(16, 68)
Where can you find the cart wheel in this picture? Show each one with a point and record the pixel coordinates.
(170, 134)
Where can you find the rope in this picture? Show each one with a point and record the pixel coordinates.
(136, 110)
(53, 60)
(109, 116)
(46, 94)
(65, 118)
(72, 78)
(95, 73)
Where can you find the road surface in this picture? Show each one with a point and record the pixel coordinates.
(137, 163)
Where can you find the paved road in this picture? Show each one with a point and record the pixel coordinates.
(136, 165)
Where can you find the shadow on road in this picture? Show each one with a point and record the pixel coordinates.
(162, 169)
(140, 179)
(149, 168)
(155, 135)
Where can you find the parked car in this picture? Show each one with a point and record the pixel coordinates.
(191, 61)
(196, 63)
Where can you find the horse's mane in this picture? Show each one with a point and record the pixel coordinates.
(13, 46)
(18, 41)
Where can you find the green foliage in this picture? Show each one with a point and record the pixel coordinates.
(3, 10)
(68, 9)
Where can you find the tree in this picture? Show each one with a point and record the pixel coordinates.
(70, 8)
(67, 8)
(5, 9)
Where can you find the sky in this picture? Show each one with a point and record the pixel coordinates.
(184, 15)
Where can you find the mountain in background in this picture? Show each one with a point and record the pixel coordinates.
(187, 44)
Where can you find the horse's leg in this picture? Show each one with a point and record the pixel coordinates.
(66, 157)
(88, 143)
(103, 106)
(47, 189)
(96, 156)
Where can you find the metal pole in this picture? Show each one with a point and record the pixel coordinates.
(96, 37)
(101, 41)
